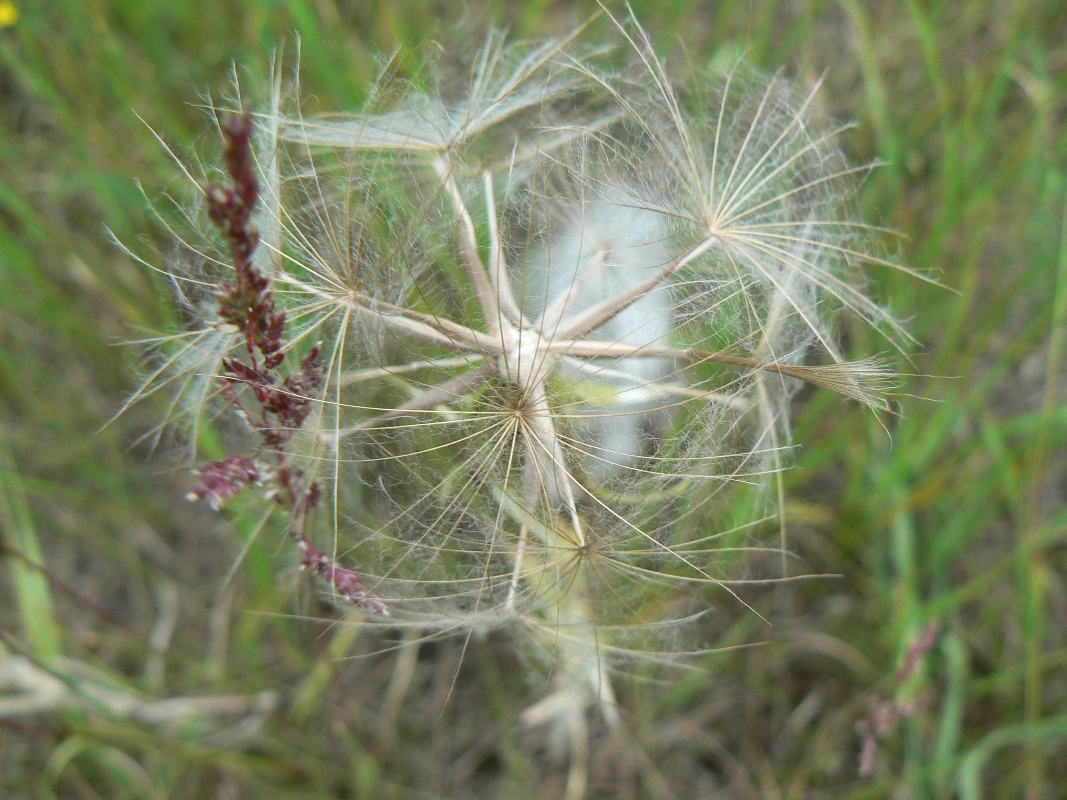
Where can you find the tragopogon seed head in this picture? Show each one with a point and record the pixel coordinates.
(562, 314)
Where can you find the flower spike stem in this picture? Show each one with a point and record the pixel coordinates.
(248, 305)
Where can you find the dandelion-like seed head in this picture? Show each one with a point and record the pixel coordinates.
(562, 314)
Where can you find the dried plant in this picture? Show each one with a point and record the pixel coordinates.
(562, 312)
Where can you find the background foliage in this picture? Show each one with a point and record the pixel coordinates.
(119, 613)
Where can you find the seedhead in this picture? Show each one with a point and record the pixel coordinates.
(562, 313)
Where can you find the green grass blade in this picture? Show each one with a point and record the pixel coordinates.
(33, 594)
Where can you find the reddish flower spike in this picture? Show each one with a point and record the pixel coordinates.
(221, 480)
